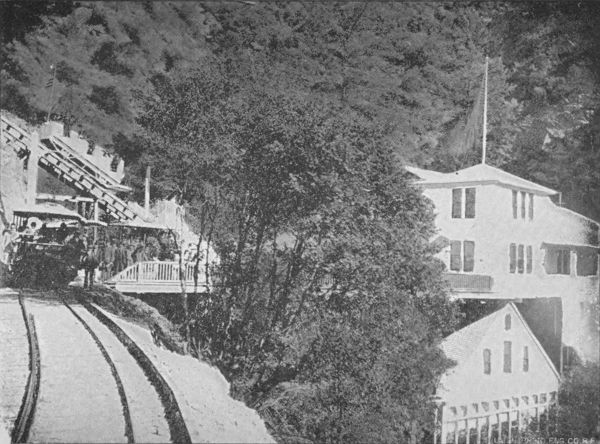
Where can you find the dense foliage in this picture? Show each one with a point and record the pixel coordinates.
(329, 305)
(577, 415)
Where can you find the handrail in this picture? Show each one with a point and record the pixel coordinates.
(157, 271)
(26, 413)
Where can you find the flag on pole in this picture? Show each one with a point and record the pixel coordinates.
(468, 132)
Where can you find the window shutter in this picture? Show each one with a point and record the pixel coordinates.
(525, 359)
(514, 204)
(507, 356)
(529, 259)
(565, 256)
(523, 194)
(457, 203)
(530, 206)
(470, 203)
(455, 260)
(487, 361)
(469, 255)
(513, 257)
(520, 259)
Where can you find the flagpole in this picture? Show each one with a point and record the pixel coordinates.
(485, 86)
(51, 93)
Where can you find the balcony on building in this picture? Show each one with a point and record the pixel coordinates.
(470, 283)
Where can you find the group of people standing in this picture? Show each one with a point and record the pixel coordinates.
(116, 256)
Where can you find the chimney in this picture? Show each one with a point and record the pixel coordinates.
(147, 192)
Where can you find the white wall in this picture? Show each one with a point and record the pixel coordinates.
(493, 230)
(466, 383)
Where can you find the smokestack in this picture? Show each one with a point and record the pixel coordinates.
(147, 193)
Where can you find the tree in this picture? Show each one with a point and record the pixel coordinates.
(577, 414)
(327, 279)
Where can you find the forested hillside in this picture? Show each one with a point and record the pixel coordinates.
(414, 67)
(284, 126)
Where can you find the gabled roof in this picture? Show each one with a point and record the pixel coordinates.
(462, 343)
(478, 174)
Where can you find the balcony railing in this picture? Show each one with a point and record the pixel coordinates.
(472, 283)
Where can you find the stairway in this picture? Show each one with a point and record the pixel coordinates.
(68, 165)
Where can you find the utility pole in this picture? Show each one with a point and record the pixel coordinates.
(53, 67)
(147, 192)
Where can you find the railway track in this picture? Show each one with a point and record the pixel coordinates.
(88, 381)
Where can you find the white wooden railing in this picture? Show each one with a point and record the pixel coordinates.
(149, 274)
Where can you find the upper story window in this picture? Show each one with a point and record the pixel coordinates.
(114, 164)
(587, 262)
(487, 361)
(521, 258)
(525, 359)
(466, 196)
(507, 322)
(522, 205)
(507, 368)
(462, 256)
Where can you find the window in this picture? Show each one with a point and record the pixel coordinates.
(507, 357)
(470, 203)
(114, 164)
(525, 359)
(514, 203)
(462, 256)
(563, 262)
(487, 361)
(455, 259)
(520, 259)
(529, 259)
(513, 257)
(530, 206)
(507, 322)
(469, 256)
(557, 261)
(457, 203)
(523, 194)
(587, 263)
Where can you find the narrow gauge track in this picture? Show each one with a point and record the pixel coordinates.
(113, 370)
(77, 397)
(27, 410)
(150, 416)
(91, 372)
